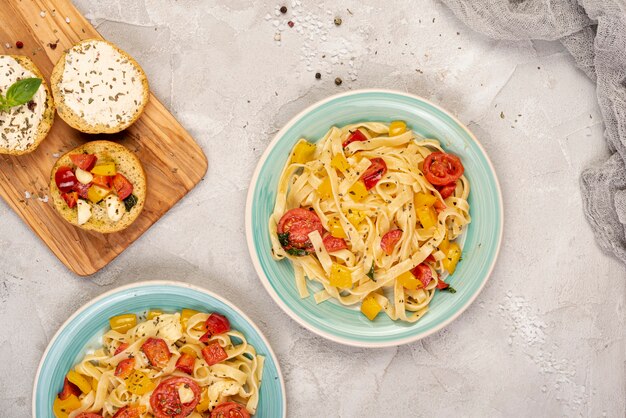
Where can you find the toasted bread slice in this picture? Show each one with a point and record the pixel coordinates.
(98, 88)
(33, 120)
(126, 163)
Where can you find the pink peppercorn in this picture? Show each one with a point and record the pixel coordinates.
(19, 44)
(290, 23)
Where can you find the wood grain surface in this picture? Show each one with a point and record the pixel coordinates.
(173, 162)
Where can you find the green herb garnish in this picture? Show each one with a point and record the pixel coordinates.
(283, 239)
(370, 273)
(297, 252)
(20, 92)
(450, 289)
(130, 201)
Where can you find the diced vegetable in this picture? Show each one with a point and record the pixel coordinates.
(423, 273)
(103, 181)
(214, 353)
(125, 368)
(62, 408)
(427, 216)
(185, 363)
(204, 403)
(424, 199)
(130, 202)
(374, 173)
(333, 244)
(157, 351)
(358, 191)
(217, 324)
(115, 207)
(104, 169)
(185, 314)
(69, 389)
(355, 217)
(139, 383)
(303, 152)
(120, 348)
(130, 411)
(70, 198)
(408, 281)
(335, 228)
(339, 162)
(389, 240)
(340, 276)
(355, 136)
(153, 313)
(123, 187)
(397, 127)
(85, 177)
(65, 179)
(444, 244)
(84, 161)
(370, 307)
(325, 189)
(122, 323)
(96, 193)
(453, 255)
(83, 211)
(79, 380)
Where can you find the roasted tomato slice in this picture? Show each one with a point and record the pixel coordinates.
(125, 368)
(447, 190)
(165, 399)
(441, 168)
(122, 186)
(65, 179)
(69, 389)
(130, 412)
(355, 136)
(389, 240)
(214, 353)
(229, 410)
(103, 181)
(121, 348)
(333, 244)
(84, 161)
(70, 198)
(295, 226)
(374, 172)
(185, 363)
(88, 415)
(423, 273)
(157, 351)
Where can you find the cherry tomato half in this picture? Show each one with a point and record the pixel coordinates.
(129, 412)
(230, 410)
(389, 240)
(374, 172)
(441, 168)
(84, 161)
(355, 136)
(423, 273)
(125, 367)
(296, 225)
(333, 244)
(65, 179)
(165, 400)
(447, 190)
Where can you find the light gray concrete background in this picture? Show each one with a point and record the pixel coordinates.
(546, 336)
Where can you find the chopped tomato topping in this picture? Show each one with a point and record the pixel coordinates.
(130, 412)
(423, 273)
(214, 353)
(294, 229)
(121, 348)
(374, 172)
(122, 186)
(217, 324)
(389, 240)
(103, 181)
(82, 189)
(70, 198)
(229, 410)
(442, 285)
(441, 168)
(355, 136)
(125, 368)
(65, 179)
(157, 351)
(69, 389)
(84, 161)
(447, 190)
(439, 206)
(333, 244)
(185, 363)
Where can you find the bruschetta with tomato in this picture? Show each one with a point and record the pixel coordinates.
(99, 186)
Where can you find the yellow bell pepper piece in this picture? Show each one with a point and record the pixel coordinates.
(79, 380)
(444, 245)
(62, 408)
(104, 169)
(339, 162)
(340, 276)
(408, 281)
(123, 323)
(424, 199)
(188, 350)
(427, 216)
(453, 255)
(358, 191)
(397, 127)
(185, 314)
(153, 314)
(370, 307)
(355, 217)
(325, 190)
(204, 403)
(139, 383)
(96, 193)
(335, 228)
(302, 152)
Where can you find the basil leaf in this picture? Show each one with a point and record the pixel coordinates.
(297, 252)
(22, 91)
(283, 239)
(130, 201)
(370, 273)
(450, 289)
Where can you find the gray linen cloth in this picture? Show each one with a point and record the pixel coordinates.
(594, 32)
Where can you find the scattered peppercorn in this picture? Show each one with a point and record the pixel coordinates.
(283, 9)
(19, 44)
(318, 75)
(52, 45)
(290, 23)
(338, 21)
(338, 81)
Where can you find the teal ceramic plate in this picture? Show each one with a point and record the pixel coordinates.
(482, 238)
(84, 329)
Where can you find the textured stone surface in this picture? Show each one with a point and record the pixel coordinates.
(546, 336)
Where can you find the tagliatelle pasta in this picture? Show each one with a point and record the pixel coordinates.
(173, 365)
(371, 212)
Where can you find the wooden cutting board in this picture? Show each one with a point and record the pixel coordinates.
(173, 162)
